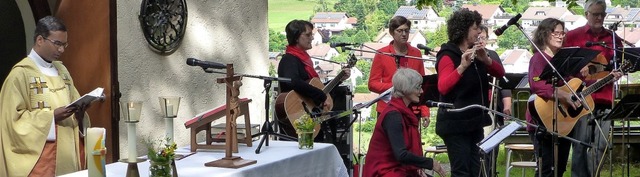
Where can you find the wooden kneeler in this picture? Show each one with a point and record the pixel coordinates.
(203, 123)
(233, 110)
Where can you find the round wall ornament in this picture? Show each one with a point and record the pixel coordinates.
(163, 23)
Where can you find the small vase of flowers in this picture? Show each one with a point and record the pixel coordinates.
(304, 127)
(160, 159)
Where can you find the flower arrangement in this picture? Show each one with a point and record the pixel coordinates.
(304, 127)
(161, 159)
(304, 124)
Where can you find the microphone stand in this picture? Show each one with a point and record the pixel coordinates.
(266, 129)
(396, 56)
(511, 118)
(322, 59)
(557, 76)
(616, 87)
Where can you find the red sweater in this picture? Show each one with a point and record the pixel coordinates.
(579, 37)
(383, 68)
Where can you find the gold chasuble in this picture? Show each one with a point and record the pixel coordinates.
(28, 99)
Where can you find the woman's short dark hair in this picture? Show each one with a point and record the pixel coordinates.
(541, 34)
(295, 28)
(398, 21)
(459, 23)
(484, 29)
(47, 24)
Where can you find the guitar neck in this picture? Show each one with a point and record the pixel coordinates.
(604, 81)
(597, 85)
(333, 82)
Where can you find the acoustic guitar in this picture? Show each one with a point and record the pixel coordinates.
(292, 105)
(567, 116)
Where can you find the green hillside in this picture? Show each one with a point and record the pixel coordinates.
(282, 11)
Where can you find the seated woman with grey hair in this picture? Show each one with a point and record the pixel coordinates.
(396, 148)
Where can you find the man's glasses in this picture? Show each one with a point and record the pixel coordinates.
(57, 43)
(558, 33)
(602, 14)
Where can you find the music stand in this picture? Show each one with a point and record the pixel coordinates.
(625, 109)
(632, 55)
(568, 61)
(514, 80)
(429, 88)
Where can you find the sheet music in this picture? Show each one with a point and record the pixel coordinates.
(387, 95)
(491, 141)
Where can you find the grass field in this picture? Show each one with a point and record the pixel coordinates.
(282, 11)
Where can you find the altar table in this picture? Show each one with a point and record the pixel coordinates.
(280, 158)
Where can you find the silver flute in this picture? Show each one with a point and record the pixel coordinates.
(473, 53)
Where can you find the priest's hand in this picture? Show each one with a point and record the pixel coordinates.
(62, 113)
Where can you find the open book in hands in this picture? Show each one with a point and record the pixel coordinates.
(86, 99)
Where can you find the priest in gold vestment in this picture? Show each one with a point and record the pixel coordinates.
(39, 136)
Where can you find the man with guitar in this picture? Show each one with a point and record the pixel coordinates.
(296, 64)
(584, 129)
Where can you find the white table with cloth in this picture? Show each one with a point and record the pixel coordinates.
(280, 158)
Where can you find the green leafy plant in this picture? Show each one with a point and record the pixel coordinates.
(160, 158)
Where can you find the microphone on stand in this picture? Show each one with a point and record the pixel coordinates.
(339, 44)
(511, 21)
(427, 50)
(431, 103)
(205, 64)
(591, 43)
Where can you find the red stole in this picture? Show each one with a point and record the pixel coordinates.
(304, 58)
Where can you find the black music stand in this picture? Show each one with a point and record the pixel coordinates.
(429, 88)
(624, 110)
(568, 61)
(632, 55)
(514, 80)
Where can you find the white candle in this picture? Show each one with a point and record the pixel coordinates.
(131, 135)
(170, 110)
(96, 151)
(168, 122)
(133, 116)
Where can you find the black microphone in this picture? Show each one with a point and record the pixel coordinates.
(614, 25)
(205, 64)
(440, 104)
(591, 43)
(339, 44)
(504, 27)
(424, 47)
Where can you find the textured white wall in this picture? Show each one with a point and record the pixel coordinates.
(225, 31)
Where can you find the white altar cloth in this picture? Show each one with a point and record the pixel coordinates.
(280, 158)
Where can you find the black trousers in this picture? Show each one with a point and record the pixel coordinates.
(543, 147)
(464, 153)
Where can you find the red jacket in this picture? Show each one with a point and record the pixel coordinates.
(384, 67)
(380, 160)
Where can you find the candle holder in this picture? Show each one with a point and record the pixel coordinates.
(130, 112)
(169, 106)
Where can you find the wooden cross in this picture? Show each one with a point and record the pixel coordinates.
(231, 141)
(38, 85)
